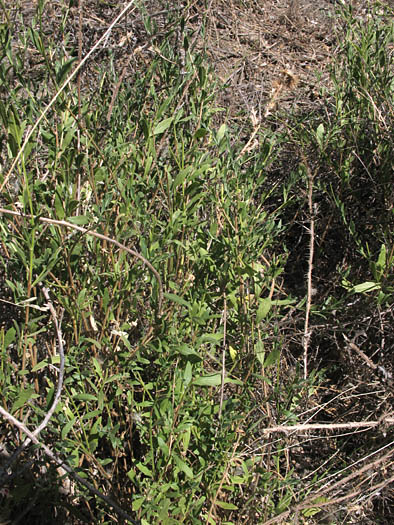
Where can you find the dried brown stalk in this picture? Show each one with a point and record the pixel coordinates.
(388, 420)
(93, 233)
(307, 333)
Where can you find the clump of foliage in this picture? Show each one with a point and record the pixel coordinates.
(170, 384)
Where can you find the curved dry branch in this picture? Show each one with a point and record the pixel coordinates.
(59, 387)
(11, 419)
(32, 436)
(93, 233)
(56, 399)
(293, 429)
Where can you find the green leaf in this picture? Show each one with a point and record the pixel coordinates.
(273, 358)
(94, 435)
(85, 397)
(209, 380)
(177, 299)
(233, 352)
(163, 446)
(221, 132)
(187, 351)
(67, 427)
(225, 505)
(346, 284)
(23, 397)
(67, 139)
(186, 439)
(144, 469)
(106, 299)
(40, 365)
(212, 338)
(59, 207)
(187, 374)
(92, 414)
(260, 351)
(381, 262)
(308, 513)
(79, 219)
(65, 68)
(137, 503)
(201, 132)
(284, 502)
(181, 176)
(97, 344)
(97, 367)
(368, 286)
(81, 298)
(283, 302)
(36, 39)
(183, 466)
(320, 134)
(162, 126)
(74, 458)
(145, 128)
(9, 337)
(115, 377)
(263, 309)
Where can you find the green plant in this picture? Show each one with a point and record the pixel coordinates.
(183, 349)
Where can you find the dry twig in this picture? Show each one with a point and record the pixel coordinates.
(66, 82)
(307, 334)
(388, 420)
(93, 233)
(11, 419)
(223, 357)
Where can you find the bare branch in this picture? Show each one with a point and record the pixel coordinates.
(389, 420)
(11, 419)
(307, 334)
(56, 399)
(59, 387)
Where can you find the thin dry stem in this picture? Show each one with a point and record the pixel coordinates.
(389, 420)
(307, 334)
(78, 189)
(11, 419)
(93, 233)
(223, 357)
(66, 82)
